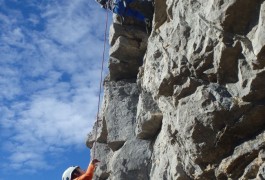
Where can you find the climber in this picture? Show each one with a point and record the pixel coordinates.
(75, 173)
(123, 9)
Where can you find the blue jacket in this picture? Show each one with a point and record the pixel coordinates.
(121, 7)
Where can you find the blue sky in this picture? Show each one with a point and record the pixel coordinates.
(50, 58)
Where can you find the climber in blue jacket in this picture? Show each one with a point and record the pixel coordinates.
(121, 7)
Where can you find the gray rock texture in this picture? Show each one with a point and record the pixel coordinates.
(188, 100)
(149, 117)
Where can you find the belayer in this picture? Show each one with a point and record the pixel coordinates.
(123, 8)
(76, 173)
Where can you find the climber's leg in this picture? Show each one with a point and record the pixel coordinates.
(122, 11)
(119, 8)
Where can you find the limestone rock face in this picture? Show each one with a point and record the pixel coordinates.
(149, 117)
(188, 100)
(128, 45)
(121, 102)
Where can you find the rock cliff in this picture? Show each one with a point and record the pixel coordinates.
(188, 100)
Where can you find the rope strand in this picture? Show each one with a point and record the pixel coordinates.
(100, 86)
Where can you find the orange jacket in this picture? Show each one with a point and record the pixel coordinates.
(89, 173)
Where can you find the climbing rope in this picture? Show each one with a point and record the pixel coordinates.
(101, 78)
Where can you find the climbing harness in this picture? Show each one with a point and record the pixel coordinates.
(101, 79)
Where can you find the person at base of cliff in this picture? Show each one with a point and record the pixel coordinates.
(123, 9)
(76, 173)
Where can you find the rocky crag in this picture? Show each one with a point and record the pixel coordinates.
(187, 101)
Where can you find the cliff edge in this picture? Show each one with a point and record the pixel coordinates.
(188, 100)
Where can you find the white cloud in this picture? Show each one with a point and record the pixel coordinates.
(49, 80)
(9, 84)
(47, 125)
(35, 20)
(4, 18)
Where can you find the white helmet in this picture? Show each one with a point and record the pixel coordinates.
(68, 173)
